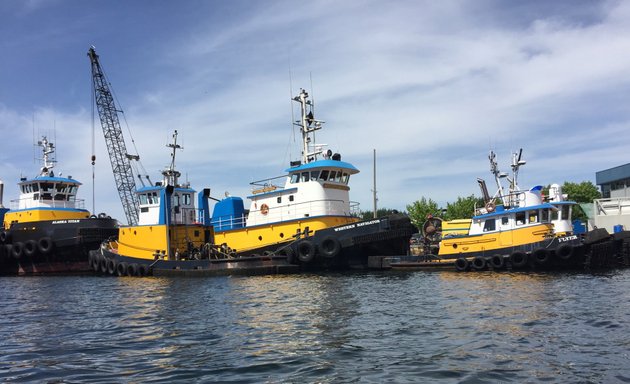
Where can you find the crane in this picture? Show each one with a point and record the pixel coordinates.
(118, 156)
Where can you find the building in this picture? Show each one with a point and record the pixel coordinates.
(613, 209)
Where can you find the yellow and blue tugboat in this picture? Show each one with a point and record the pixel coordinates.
(169, 238)
(48, 230)
(307, 213)
(524, 231)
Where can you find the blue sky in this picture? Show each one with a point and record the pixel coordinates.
(433, 86)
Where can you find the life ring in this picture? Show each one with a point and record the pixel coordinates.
(264, 209)
(17, 250)
(329, 247)
(121, 269)
(306, 251)
(30, 248)
(565, 251)
(490, 207)
(541, 256)
(497, 262)
(479, 263)
(45, 245)
(518, 259)
(461, 264)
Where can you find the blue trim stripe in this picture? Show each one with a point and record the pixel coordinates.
(514, 210)
(324, 164)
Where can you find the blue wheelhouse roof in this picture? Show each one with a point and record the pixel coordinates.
(324, 164)
(50, 180)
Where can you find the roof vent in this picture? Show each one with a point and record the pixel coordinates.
(336, 157)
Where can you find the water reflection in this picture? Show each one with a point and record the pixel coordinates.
(378, 327)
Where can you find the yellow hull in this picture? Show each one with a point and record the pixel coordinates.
(151, 241)
(248, 239)
(459, 246)
(33, 215)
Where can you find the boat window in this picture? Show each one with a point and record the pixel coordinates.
(156, 199)
(291, 198)
(46, 186)
(338, 177)
(295, 178)
(332, 175)
(176, 200)
(35, 187)
(520, 218)
(324, 175)
(36, 196)
(314, 175)
(61, 188)
(23, 188)
(566, 212)
(533, 216)
(505, 220)
(544, 217)
(187, 199)
(345, 178)
(150, 198)
(73, 189)
(304, 176)
(489, 225)
(143, 199)
(554, 215)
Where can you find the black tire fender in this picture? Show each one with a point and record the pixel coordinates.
(45, 245)
(518, 259)
(121, 269)
(565, 251)
(30, 248)
(479, 263)
(306, 251)
(17, 250)
(329, 247)
(497, 262)
(461, 264)
(111, 266)
(541, 256)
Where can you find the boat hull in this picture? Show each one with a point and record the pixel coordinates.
(347, 246)
(52, 247)
(109, 262)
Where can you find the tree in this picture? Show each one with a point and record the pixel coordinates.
(366, 215)
(584, 192)
(420, 209)
(463, 208)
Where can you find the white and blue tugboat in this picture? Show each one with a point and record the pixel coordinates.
(307, 214)
(47, 229)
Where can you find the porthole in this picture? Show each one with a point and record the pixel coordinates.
(455, 246)
(260, 238)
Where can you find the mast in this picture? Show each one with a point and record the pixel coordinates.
(374, 188)
(308, 125)
(48, 149)
(118, 156)
(170, 174)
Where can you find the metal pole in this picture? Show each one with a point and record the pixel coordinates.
(374, 188)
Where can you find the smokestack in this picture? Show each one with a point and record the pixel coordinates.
(1, 193)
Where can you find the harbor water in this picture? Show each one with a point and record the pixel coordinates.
(372, 327)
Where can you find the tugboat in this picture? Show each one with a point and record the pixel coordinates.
(170, 240)
(522, 232)
(307, 214)
(48, 230)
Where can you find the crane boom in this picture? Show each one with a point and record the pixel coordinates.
(120, 160)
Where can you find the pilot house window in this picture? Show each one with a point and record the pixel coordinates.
(489, 225)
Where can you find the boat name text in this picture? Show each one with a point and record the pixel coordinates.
(360, 224)
(65, 221)
(568, 238)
